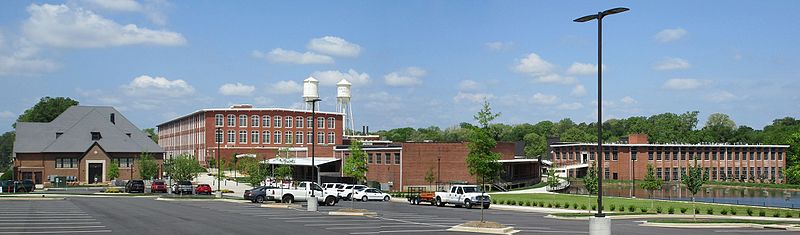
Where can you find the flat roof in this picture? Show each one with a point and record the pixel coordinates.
(674, 145)
(518, 160)
(246, 109)
(300, 161)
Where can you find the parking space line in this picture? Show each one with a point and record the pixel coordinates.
(554, 231)
(323, 221)
(57, 232)
(322, 225)
(28, 223)
(57, 227)
(43, 220)
(403, 231)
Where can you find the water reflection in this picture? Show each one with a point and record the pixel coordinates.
(718, 194)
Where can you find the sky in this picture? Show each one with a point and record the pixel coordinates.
(412, 63)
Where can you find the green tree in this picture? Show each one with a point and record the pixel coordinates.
(6, 149)
(693, 179)
(284, 170)
(256, 172)
(46, 110)
(535, 145)
(651, 183)
(590, 180)
(183, 167)
(113, 169)
(429, 177)
(7, 174)
(148, 167)
(720, 127)
(482, 162)
(151, 132)
(355, 165)
(211, 162)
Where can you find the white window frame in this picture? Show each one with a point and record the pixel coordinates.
(309, 137)
(242, 137)
(331, 138)
(309, 122)
(278, 121)
(287, 137)
(289, 121)
(331, 123)
(298, 137)
(265, 121)
(219, 119)
(320, 137)
(254, 137)
(254, 121)
(321, 122)
(231, 137)
(277, 137)
(242, 120)
(299, 120)
(266, 138)
(231, 120)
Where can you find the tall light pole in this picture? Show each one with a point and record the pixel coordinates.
(599, 224)
(218, 138)
(312, 202)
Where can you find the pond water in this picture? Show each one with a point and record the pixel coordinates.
(718, 194)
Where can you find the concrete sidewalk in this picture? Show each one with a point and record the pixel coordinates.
(238, 190)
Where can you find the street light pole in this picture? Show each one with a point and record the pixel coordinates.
(312, 202)
(599, 224)
(218, 138)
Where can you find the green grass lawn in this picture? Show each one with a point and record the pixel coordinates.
(617, 202)
(586, 214)
(718, 183)
(718, 221)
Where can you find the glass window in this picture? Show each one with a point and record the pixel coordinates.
(266, 135)
(388, 158)
(298, 137)
(667, 174)
(658, 156)
(633, 153)
(650, 154)
(606, 155)
(242, 120)
(331, 123)
(231, 120)
(658, 173)
(320, 122)
(675, 154)
(277, 138)
(378, 159)
(231, 137)
(309, 122)
(780, 156)
(254, 135)
(331, 138)
(218, 120)
(607, 174)
(287, 137)
(265, 121)
(278, 121)
(242, 137)
(125, 162)
(675, 173)
(771, 154)
(397, 158)
(218, 137)
(369, 158)
(289, 122)
(66, 163)
(299, 122)
(736, 155)
(320, 137)
(309, 137)
(254, 121)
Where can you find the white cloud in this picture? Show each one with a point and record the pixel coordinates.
(236, 89)
(499, 46)
(19, 65)
(534, 65)
(263, 101)
(542, 99)
(279, 55)
(63, 26)
(6, 114)
(683, 84)
(582, 69)
(669, 35)
(335, 46)
(721, 96)
(115, 5)
(628, 100)
(409, 77)
(555, 79)
(671, 63)
(472, 97)
(286, 87)
(579, 90)
(466, 85)
(147, 86)
(570, 106)
(331, 77)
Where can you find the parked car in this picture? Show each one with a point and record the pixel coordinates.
(9, 186)
(158, 186)
(371, 194)
(348, 190)
(332, 188)
(134, 186)
(302, 192)
(464, 195)
(203, 189)
(259, 194)
(28, 185)
(183, 187)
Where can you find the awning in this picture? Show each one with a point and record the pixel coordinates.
(518, 160)
(300, 161)
(245, 155)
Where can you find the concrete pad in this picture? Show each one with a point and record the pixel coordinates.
(353, 213)
(280, 205)
(460, 228)
(31, 198)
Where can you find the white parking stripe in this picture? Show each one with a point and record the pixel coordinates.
(403, 231)
(57, 227)
(28, 223)
(43, 220)
(324, 224)
(554, 231)
(323, 221)
(58, 232)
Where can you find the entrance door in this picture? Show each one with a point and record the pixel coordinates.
(95, 173)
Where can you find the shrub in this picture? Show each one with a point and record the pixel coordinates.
(670, 210)
(683, 210)
(733, 211)
(631, 208)
(227, 191)
(498, 201)
(528, 203)
(574, 205)
(723, 211)
(549, 205)
(710, 211)
(594, 207)
(776, 214)
(583, 207)
(760, 213)
(541, 204)
(566, 205)
(643, 210)
(613, 207)
(697, 210)
(621, 208)
(112, 190)
(558, 205)
(788, 215)
(750, 212)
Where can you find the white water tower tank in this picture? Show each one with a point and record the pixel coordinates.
(310, 89)
(343, 89)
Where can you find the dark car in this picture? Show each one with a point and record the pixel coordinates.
(17, 186)
(8, 186)
(183, 187)
(27, 186)
(203, 189)
(134, 186)
(259, 194)
(158, 186)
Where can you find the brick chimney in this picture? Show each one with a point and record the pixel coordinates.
(637, 139)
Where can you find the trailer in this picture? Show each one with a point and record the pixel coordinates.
(418, 195)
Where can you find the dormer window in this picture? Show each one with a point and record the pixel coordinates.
(58, 134)
(112, 119)
(128, 134)
(96, 136)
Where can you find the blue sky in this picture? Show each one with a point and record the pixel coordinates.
(412, 63)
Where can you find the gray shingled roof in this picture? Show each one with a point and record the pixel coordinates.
(76, 125)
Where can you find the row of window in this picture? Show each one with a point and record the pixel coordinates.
(277, 137)
(276, 121)
(125, 162)
(724, 173)
(732, 156)
(378, 159)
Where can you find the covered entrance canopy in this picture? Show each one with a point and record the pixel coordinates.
(328, 166)
(520, 172)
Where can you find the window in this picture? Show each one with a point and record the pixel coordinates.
(299, 122)
(633, 153)
(736, 155)
(320, 138)
(218, 137)
(289, 122)
(277, 138)
(298, 137)
(231, 120)
(607, 173)
(758, 155)
(771, 154)
(397, 158)
(242, 137)
(752, 154)
(388, 158)
(242, 120)
(752, 169)
(330, 123)
(254, 135)
(378, 159)
(606, 155)
(125, 162)
(615, 154)
(218, 120)
(713, 173)
(254, 121)
(231, 137)
(266, 135)
(331, 138)
(666, 174)
(674, 173)
(369, 158)
(320, 122)
(278, 121)
(650, 154)
(265, 121)
(66, 163)
(309, 122)
(758, 171)
(706, 154)
(96, 136)
(658, 156)
(675, 154)
(309, 137)
(287, 138)
(780, 156)
(658, 173)
(780, 172)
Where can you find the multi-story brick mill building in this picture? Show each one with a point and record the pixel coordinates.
(628, 160)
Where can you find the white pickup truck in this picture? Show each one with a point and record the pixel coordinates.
(463, 195)
(302, 192)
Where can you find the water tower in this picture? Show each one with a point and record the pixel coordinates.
(343, 105)
(310, 91)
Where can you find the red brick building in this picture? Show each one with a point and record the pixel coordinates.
(628, 159)
(247, 130)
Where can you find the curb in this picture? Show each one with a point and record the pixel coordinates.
(681, 216)
(353, 213)
(281, 206)
(721, 225)
(506, 230)
(30, 198)
(201, 200)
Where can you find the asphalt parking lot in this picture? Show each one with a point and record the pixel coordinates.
(121, 215)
